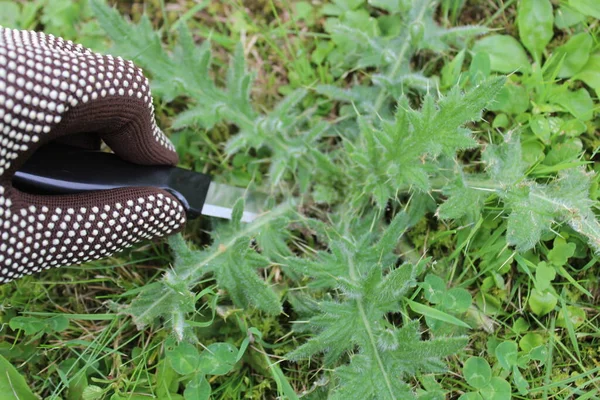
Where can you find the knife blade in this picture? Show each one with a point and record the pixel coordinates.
(61, 169)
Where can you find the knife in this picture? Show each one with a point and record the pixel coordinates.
(62, 169)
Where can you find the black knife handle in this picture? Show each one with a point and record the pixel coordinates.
(61, 169)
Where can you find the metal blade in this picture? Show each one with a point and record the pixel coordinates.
(221, 198)
(60, 169)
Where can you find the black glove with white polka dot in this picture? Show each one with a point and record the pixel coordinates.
(52, 89)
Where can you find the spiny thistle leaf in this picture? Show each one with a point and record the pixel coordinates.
(162, 300)
(361, 378)
(462, 200)
(536, 207)
(184, 73)
(129, 39)
(235, 274)
(232, 261)
(361, 43)
(532, 207)
(406, 356)
(361, 265)
(402, 154)
(291, 137)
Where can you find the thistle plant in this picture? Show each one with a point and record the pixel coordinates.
(531, 207)
(393, 134)
(360, 264)
(232, 262)
(402, 155)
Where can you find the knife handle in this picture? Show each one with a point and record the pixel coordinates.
(60, 169)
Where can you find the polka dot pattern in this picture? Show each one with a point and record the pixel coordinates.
(50, 88)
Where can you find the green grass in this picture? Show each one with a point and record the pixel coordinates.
(443, 237)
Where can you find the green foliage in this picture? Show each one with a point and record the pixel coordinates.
(535, 89)
(358, 109)
(505, 53)
(19, 16)
(361, 40)
(71, 20)
(532, 207)
(574, 54)
(283, 131)
(232, 261)
(511, 360)
(12, 384)
(450, 301)
(478, 374)
(292, 138)
(362, 267)
(571, 315)
(33, 325)
(189, 63)
(401, 155)
(292, 141)
(586, 7)
(535, 20)
(216, 359)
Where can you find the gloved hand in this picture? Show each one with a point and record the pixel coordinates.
(49, 89)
